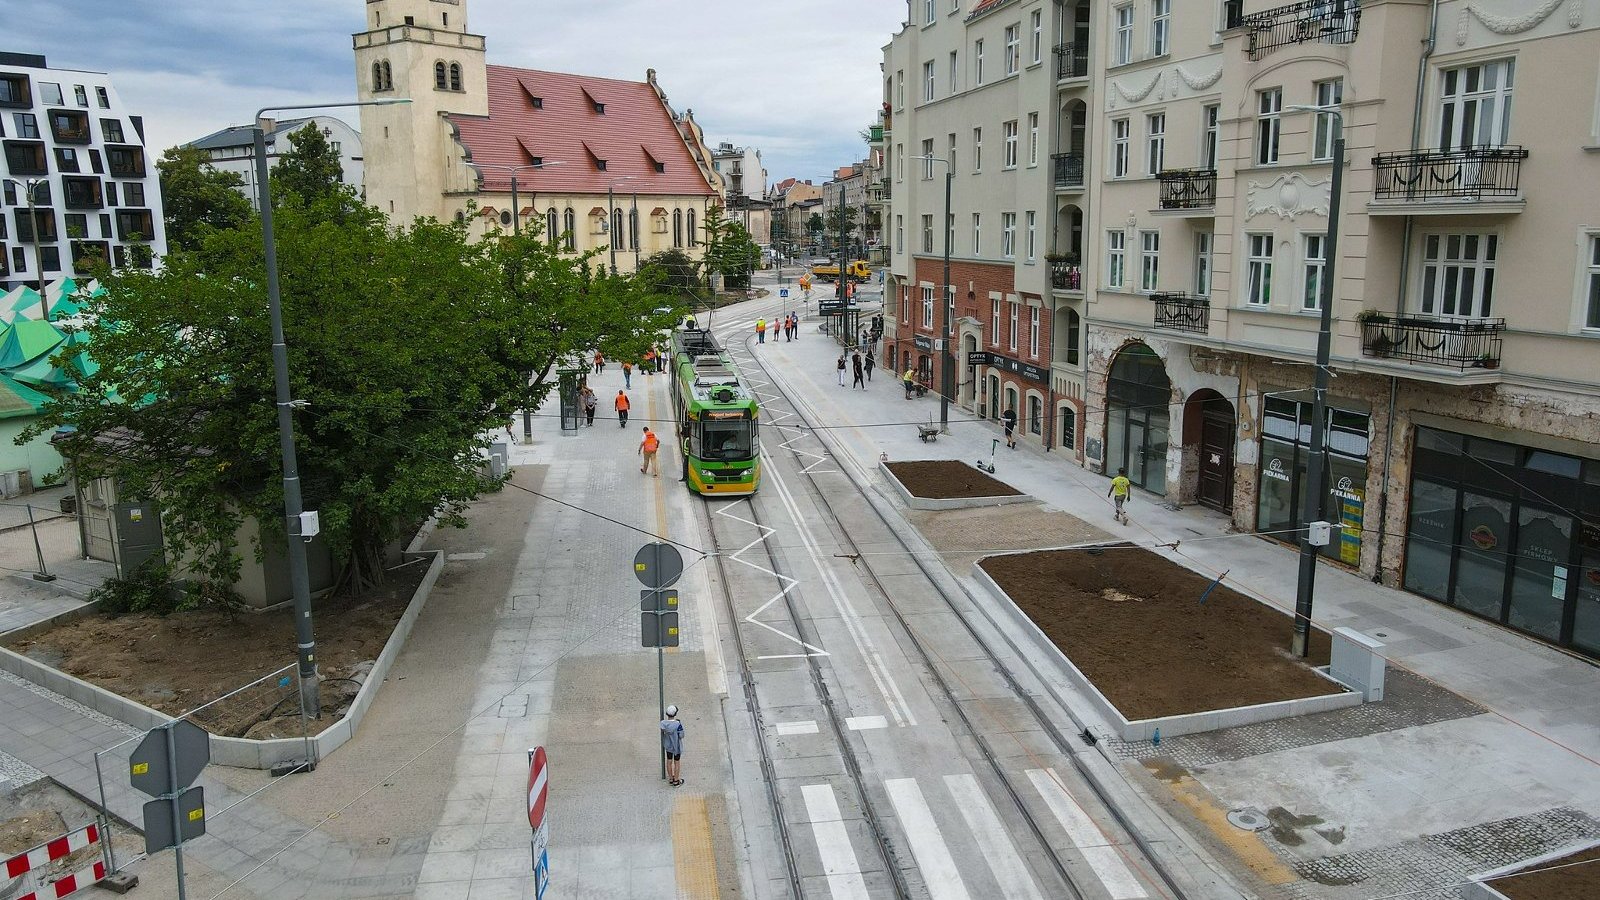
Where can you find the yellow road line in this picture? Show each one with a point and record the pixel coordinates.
(693, 855)
(1249, 848)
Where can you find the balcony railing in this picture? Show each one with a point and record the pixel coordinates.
(1181, 312)
(1065, 275)
(1328, 21)
(1188, 188)
(1452, 343)
(1068, 169)
(1468, 173)
(1072, 61)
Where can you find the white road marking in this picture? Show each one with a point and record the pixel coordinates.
(456, 557)
(863, 723)
(1090, 840)
(839, 865)
(1010, 872)
(939, 870)
(763, 532)
(806, 727)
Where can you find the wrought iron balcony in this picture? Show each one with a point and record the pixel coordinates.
(1451, 343)
(1188, 188)
(1327, 21)
(1467, 173)
(1065, 275)
(1181, 312)
(1068, 169)
(1072, 61)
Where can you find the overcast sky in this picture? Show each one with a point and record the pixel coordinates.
(798, 81)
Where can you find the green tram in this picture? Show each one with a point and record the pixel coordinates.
(717, 416)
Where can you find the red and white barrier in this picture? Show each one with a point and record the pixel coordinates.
(26, 863)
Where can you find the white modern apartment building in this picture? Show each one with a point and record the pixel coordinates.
(75, 151)
(233, 149)
(1464, 426)
(996, 93)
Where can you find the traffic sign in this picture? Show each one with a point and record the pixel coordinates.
(658, 565)
(658, 629)
(783, 292)
(538, 786)
(653, 601)
(149, 768)
(158, 819)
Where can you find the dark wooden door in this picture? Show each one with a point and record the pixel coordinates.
(1216, 459)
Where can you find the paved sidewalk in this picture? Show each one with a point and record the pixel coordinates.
(1512, 758)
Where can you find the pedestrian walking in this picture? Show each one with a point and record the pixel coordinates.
(761, 331)
(839, 365)
(647, 449)
(661, 361)
(855, 363)
(871, 363)
(788, 329)
(672, 745)
(910, 379)
(1009, 417)
(649, 361)
(1119, 494)
(627, 375)
(590, 403)
(599, 363)
(621, 405)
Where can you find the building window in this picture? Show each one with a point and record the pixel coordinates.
(1329, 94)
(955, 72)
(1209, 115)
(927, 306)
(455, 80)
(977, 62)
(952, 156)
(1122, 52)
(1033, 331)
(899, 162)
(1033, 139)
(899, 234)
(691, 229)
(927, 234)
(1259, 269)
(1156, 143)
(1036, 29)
(1458, 274)
(1116, 258)
(994, 321)
(900, 89)
(441, 77)
(103, 97)
(1119, 147)
(1160, 26)
(949, 233)
(1149, 260)
(1009, 129)
(80, 95)
(50, 93)
(1285, 448)
(27, 125)
(1202, 264)
(1035, 415)
(677, 228)
(1069, 427)
(1032, 236)
(1475, 105)
(66, 159)
(1074, 340)
(927, 82)
(1316, 250)
(1013, 49)
(1269, 125)
(929, 13)
(977, 234)
(569, 229)
(1591, 318)
(133, 192)
(977, 150)
(552, 225)
(1008, 235)
(927, 159)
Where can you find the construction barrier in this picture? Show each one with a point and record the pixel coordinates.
(27, 866)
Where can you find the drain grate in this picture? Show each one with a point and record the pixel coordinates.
(1249, 819)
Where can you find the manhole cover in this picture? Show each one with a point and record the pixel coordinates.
(1248, 819)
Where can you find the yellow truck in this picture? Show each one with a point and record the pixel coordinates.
(829, 271)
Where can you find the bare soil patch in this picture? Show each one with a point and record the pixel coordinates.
(179, 662)
(43, 811)
(1574, 882)
(945, 479)
(1132, 622)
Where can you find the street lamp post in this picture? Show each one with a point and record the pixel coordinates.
(946, 365)
(611, 207)
(28, 188)
(1314, 508)
(299, 577)
(516, 214)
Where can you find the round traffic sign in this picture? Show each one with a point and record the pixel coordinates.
(538, 786)
(658, 565)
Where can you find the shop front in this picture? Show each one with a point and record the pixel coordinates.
(1285, 457)
(1509, 533)
(1139, 417)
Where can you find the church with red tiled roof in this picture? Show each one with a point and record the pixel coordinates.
(595, 163)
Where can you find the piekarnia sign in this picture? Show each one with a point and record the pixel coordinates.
(1015, 366)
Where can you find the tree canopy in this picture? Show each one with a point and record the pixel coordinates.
(311, 170)
(197, 199)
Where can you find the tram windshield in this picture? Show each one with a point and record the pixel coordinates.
(727, 440)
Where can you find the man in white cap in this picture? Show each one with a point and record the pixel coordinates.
(672, 744)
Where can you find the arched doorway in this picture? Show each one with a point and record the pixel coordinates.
(994, 396)
(1208, 434)
(1138, 417)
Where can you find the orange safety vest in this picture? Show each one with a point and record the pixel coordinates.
(651, 442)
(622, 403)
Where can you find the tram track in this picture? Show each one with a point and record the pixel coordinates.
(821, 495)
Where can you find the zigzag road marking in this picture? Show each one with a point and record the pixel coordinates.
(777, 416)
(763, 532)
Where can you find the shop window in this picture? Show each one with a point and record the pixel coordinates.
(1285, 453)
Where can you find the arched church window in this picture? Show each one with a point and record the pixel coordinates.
(569, 228)
(440, 82)
(677, 228)
(552, 225)
(455, 76)
(377, 76)
(694, 238)
(618, 240)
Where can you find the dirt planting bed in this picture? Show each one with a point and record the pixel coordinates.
(1573, 882)
(179, 662)
(1133, 623)
(944, 479)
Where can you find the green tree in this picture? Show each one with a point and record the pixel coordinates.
(197, 199)
(385, 330)
(311, 170)
(730, 251)
(840, 219)
(674, 272)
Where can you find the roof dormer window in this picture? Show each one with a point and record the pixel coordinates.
(661, 167)
(538, 103)
(600, 107)
(600, 164)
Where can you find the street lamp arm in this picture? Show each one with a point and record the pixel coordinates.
(388, 101)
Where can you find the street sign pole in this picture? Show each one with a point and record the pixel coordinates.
(177, 817)
(661, 696)
(658, 566)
